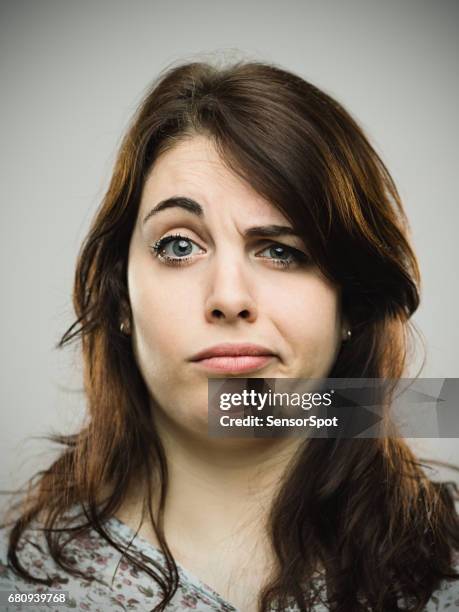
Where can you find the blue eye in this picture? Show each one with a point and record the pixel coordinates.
(282, 255)
(180, 249)
(177, 249)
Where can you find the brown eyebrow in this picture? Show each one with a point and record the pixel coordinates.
(181, 202)
(269, 231)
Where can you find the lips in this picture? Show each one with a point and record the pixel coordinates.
(232, 350)
(234, 358)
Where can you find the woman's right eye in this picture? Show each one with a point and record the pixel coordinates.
(174, 249)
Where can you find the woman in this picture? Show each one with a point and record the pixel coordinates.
(247, 215)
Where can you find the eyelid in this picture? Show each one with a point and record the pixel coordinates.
(269, 241)
(190, 230)
(170, 237)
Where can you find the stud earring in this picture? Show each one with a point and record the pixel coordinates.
(348, 335)
(124, 328)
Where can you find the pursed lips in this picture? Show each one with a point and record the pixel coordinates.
(234, 358)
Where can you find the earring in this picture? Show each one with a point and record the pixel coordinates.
(348, 334)
(123, 329)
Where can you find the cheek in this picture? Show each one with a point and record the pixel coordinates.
(161, 311)
(308, 306)
(307, 314)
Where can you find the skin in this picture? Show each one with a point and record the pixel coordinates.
(229, 292)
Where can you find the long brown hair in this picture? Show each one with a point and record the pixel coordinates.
(370, 517)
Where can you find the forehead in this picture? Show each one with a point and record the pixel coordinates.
(195, 169)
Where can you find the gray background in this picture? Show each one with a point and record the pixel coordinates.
(72, 74)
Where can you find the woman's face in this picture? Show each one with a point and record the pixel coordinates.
(220, 285)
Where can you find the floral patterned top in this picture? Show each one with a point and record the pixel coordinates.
(120, 586)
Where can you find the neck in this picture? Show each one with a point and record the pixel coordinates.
(220, 490)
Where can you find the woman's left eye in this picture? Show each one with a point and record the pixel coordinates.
(282, 255)
(178, 249)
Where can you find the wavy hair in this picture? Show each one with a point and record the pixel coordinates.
(370, 518)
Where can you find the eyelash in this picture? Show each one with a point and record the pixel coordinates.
(159, 245)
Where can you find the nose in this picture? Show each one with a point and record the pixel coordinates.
(230, 297)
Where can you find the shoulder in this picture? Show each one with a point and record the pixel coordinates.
(109, 580)
(447, 596)
(86, 553)
(32, 555)
(33, 558)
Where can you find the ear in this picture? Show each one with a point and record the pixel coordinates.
(125, 314)
(125, 308)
